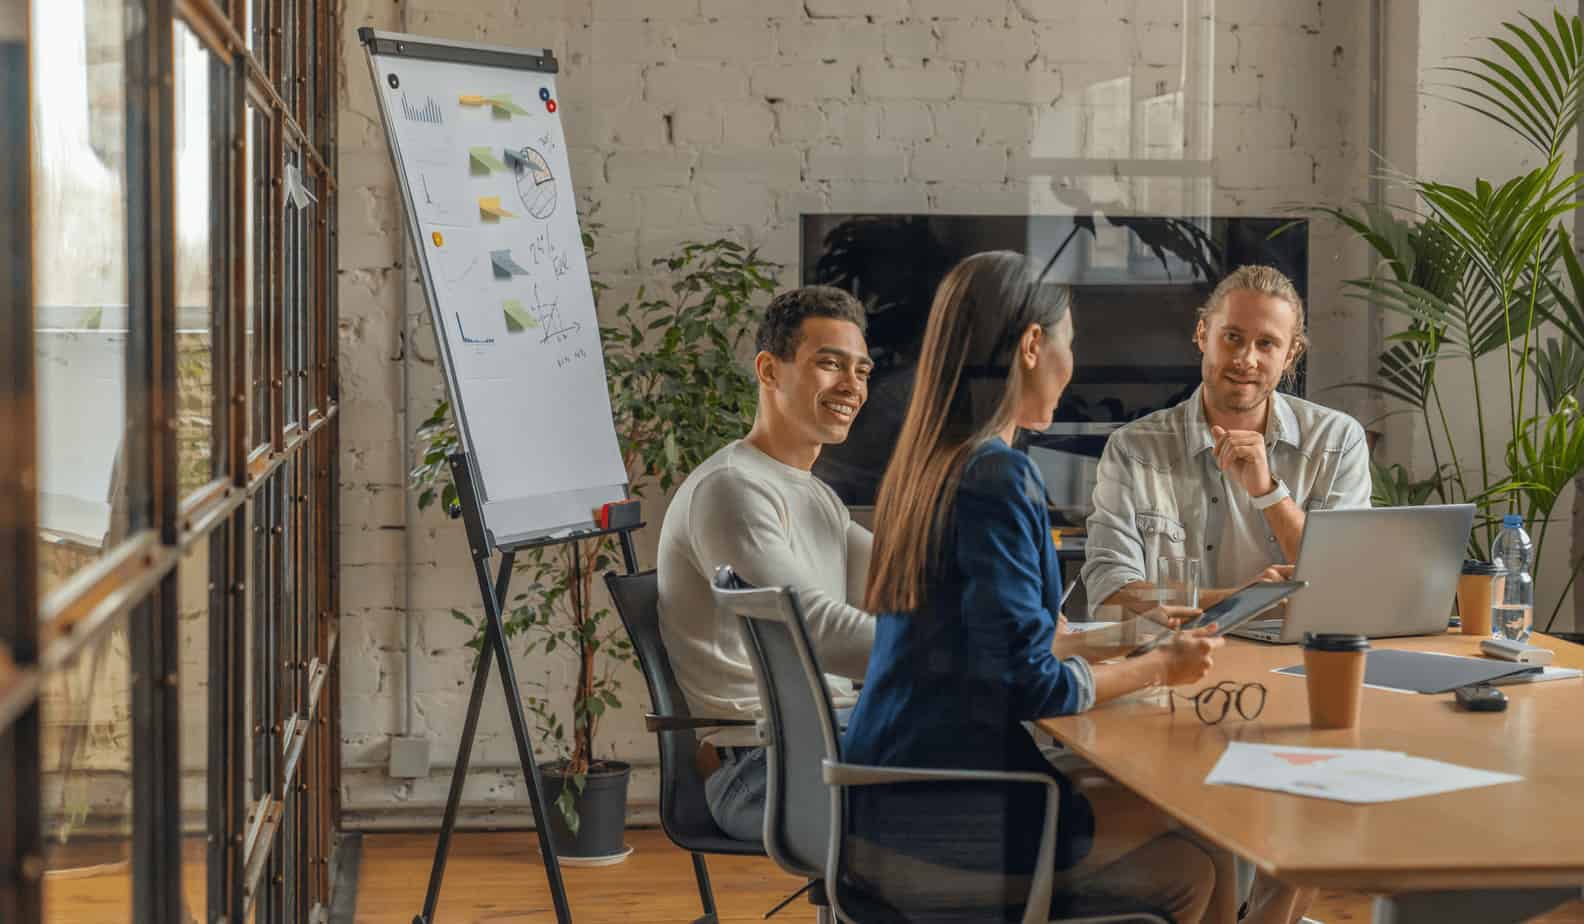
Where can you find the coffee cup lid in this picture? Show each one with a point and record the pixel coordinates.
(1475, 566)
(1335, 641)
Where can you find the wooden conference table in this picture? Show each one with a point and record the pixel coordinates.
(1490, 855)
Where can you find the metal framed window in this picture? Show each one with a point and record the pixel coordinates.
(167, 656)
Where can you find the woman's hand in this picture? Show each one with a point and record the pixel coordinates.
(1172, 616)
(1187, 658)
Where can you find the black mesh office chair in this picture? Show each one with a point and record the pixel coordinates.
(683, 812)
(928, 867)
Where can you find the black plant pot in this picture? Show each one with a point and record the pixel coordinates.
(602, 811)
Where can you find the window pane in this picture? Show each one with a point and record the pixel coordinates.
(194, 294)
(86, 763)
(79, 170)
(259, 201)
(250, 241)
(313, 292)
(250, 597)
(310, 119)
(194, 602)
(257, 39)
(292, 283)
(288, 52)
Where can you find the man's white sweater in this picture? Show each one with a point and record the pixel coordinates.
(776, 526)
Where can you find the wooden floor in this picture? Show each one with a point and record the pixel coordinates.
(495, 878)
(98, 890)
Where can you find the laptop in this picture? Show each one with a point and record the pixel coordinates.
(1384, 572)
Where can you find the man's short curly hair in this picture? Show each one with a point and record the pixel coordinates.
(781, 331)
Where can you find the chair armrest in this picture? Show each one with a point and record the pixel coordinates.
(840, 774)
(1039, 898)
(665, 723)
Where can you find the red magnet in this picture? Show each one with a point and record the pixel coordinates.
(550, 105)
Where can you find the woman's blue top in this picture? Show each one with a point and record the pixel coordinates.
(948, 685)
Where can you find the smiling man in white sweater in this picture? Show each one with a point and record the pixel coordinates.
(755, 505)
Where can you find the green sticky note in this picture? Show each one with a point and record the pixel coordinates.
(503, 103)
(483, 160)
(517, 318)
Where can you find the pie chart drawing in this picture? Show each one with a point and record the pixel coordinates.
(536, 185)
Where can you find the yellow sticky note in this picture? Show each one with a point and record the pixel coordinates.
(490, 205)
(472, 100)
(517, 318)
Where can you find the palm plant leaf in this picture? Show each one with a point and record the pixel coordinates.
(1547, 455)
(1567, 307)
(1501, 231)
(1559, 368)
(1533, 83)
(1391, 486)
(1409, 367)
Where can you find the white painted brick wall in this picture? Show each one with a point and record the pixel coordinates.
(689, 119)
(688, 83)
(807, 80)
(903, 82)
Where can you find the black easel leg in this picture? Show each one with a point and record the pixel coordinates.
(465, 748)
(525, 756)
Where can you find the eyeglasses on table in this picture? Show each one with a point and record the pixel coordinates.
(1213, 703)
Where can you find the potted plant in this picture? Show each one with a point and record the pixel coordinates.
(1477, 271)
(679, 390)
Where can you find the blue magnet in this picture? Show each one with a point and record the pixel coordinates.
(544, 94)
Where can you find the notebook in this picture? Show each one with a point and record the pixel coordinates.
(1427, 672)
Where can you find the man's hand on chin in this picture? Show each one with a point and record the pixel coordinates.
(1241, 456)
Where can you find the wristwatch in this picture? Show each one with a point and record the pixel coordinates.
(1273, 498)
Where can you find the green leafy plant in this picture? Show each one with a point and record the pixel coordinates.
(679, 390)
(1477, 271)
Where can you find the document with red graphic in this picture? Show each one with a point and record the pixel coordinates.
(1345, 774)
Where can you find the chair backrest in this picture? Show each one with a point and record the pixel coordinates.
(801, 725)
(683, 812)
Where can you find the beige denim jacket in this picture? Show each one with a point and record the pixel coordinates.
(1156, 492)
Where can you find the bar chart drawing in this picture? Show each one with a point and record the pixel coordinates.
(428, 112)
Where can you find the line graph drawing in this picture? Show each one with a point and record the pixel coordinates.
(438, 192)
(465, 337)
(428, 112)
(549, 315)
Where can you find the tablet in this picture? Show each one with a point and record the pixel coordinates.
(1235, 610)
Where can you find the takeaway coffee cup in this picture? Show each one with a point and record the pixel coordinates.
(1479, 586)
(1334, 671)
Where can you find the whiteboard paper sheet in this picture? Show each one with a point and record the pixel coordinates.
(483, 164)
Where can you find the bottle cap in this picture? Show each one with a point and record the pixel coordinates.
(1511, 520)
(1485, 568)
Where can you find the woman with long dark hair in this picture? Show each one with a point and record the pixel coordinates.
(965, 587)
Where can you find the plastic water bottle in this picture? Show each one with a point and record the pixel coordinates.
(1512, 614)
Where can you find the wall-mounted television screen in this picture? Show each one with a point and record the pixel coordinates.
(1138, 282)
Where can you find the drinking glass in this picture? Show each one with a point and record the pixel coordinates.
(1177, 581)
